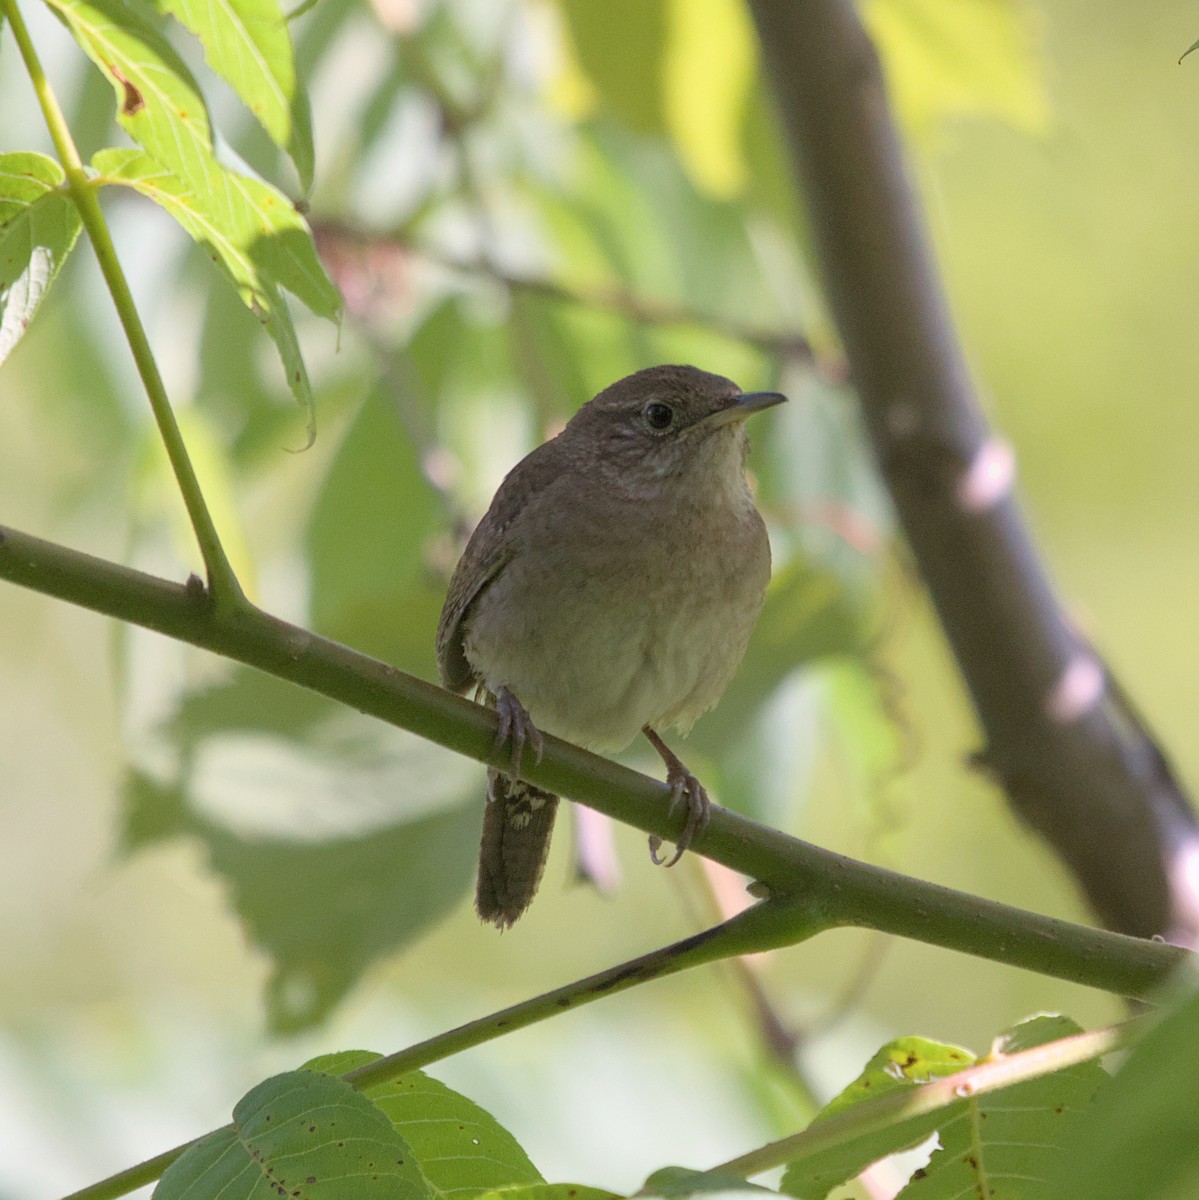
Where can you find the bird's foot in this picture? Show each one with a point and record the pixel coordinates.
(515, 729)
(685, 791)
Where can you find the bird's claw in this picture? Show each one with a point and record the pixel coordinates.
(685, 790)
(514, 729)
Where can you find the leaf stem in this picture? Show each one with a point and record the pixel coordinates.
(222, 581)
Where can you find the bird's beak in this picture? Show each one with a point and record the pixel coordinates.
(743, 406)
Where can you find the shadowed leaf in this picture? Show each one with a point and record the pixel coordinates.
(462, 1149)
(299, 1134)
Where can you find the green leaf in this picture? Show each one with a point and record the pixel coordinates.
(158, 100)
(1011, 1139)
(548, 1191)
(1141, 1136)
(299, 1134)
(1007, 1140)
(247, 43)
(899, 1066)
(254, 228)
(252, 232)
(24, 179)
(683, 1181)
(325, 910)
(39, 225)
(461, 1148)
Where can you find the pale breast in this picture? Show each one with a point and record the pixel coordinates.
(616, 614)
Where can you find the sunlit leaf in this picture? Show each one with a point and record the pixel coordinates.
(299, 1134)
(39, 225)
(252, 233)
(247, 43)
(253, 227)
(158, 101)
(461, 1148)
(24, 179)
(970, 58)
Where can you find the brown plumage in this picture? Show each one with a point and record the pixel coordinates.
(611, 586)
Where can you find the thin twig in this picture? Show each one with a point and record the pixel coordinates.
(791, 345)
(756, 929)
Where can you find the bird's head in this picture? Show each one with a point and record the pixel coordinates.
(668, 421)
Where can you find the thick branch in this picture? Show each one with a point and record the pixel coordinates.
(838, 890)
(1076, 763)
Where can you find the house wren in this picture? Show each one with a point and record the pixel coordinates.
(610, 588)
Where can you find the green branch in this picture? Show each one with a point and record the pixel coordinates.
(221, 578)
(840, 890)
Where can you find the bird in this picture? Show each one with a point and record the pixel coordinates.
(609, 590)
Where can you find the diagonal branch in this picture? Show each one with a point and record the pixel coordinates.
(1076, 762)
(840, 890)
(766, 926)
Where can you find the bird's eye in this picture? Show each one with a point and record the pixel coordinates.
(658, 415)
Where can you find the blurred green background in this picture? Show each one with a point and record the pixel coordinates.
(625, 153)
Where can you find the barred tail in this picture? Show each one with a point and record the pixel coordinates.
(517, 824)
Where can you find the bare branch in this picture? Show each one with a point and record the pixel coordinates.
(1076, 763)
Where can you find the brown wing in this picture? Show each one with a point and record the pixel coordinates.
(487, 552)
(481, 561)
